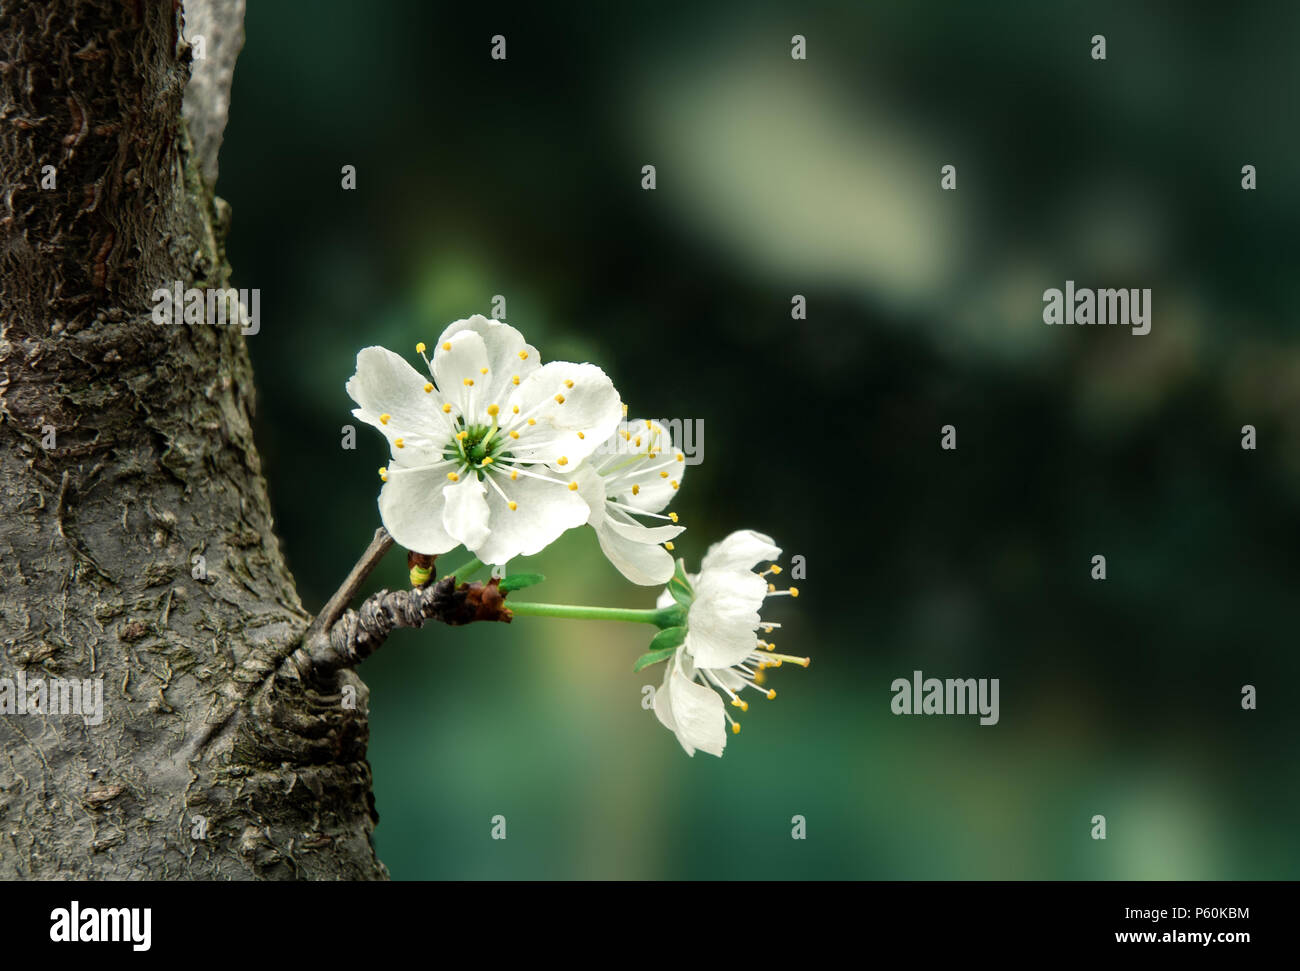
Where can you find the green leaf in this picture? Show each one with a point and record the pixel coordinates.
(679, 586)
(517, 581)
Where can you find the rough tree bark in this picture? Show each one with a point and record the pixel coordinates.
(221, 753)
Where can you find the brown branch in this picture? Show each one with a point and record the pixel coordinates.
(357, 634)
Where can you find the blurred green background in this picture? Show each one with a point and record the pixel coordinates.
(821, 177)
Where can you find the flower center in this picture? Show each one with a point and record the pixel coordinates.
(477, 446)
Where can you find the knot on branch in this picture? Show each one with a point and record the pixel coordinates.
(358, 633)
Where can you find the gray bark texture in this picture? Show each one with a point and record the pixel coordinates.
(219, 756)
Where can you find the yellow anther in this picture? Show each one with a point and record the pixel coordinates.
(580, 435)
(427, 387)
(532, 421)
(446, 409)
(742, 705)
(794, 591)
(446, 346)
(383, 472)
(492, 410)
(673, 516)
(383, 419)
(647, 423)
(399, 442)
(469, 382)
(514, 474)
(735, 728)
(453, 477)
(515, 409)
(625, 414)
(771, 694)
(513, 506)
(775, 568)
(462, 435)
(568, 383)
(562, 460)
(489, 460)
(674, 483)
(663, 475)
(636, 489)
(515, 380)
(626, 436)
(573, 487)
(760, 676)
(419, 348)
(771, 587)
(681, 457)
(514, 434)
(482, 370)
(669, 546)
(637, 443)
(559, 399)
(523, 355)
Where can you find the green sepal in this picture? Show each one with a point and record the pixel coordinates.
(663, 646)
(652, 657)
(668, 618)
(679, 586)
(517, 581)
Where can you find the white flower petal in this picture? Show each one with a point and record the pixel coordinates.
(592, 489)
(695, 712)
(465, 361)
(564, 400)
(543, 511)
(504, 345)
(643, 534)
(465, 514)
(742, 550)
(639, 559)
(385, 384)
(723, 617)
(410, 507)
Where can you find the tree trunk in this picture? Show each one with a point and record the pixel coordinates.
(126, 452)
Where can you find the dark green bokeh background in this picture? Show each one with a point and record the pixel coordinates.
(821, 178)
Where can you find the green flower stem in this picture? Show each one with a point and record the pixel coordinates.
(466, 570)
(574, 612)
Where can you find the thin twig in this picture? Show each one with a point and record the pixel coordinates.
(318, 632)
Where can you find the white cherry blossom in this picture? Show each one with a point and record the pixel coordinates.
(635, 473)
(482, 445)
(722, 654)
